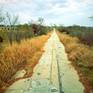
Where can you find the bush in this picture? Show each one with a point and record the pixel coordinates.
(87, 38)
(85, 34)
(17, 56)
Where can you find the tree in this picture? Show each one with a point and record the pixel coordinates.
(10, 22)
(2, 18)
(40, 21)
(41, 29)
(91, 17)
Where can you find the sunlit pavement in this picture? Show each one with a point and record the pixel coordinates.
(53, 73)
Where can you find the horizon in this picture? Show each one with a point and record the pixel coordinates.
(59, 12)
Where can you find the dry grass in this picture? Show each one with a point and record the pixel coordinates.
(24, 55)
(81, 55)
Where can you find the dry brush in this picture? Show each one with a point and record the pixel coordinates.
(81, 57)
(20, 56)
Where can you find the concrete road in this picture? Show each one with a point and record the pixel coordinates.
(53, 73)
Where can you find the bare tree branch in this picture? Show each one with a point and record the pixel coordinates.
(2, 18)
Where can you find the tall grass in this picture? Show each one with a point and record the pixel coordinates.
(17, 56)
(80, 55)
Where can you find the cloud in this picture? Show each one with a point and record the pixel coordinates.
(87, 2)
(60, 8)
(14, 1)
(8, 1)
(53, 11)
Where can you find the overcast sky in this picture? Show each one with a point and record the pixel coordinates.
(66, 12)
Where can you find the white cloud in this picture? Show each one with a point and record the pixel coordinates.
(14, 1)
(52, 10)
(24, 17)
(87, 2)
(7, 1)
(80, 14)
(70, 6)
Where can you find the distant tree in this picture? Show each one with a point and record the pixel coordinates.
(40, 21)
(11, 22)
(41, 29)
(91, 17)
(2, 18)
(35, 29)
(38, 27)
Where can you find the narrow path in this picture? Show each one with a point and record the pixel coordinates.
(53, 74)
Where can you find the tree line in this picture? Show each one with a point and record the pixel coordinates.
(85, 34)
(22, 31)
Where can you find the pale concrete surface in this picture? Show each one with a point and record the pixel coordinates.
(47, 77)
(69, 77)
(19, 74)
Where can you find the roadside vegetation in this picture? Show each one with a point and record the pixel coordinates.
(12, 31)
(21, 46)
(79, 47)
(85, 34)
(20, 56)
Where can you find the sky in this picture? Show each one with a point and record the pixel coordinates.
(60, 12)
